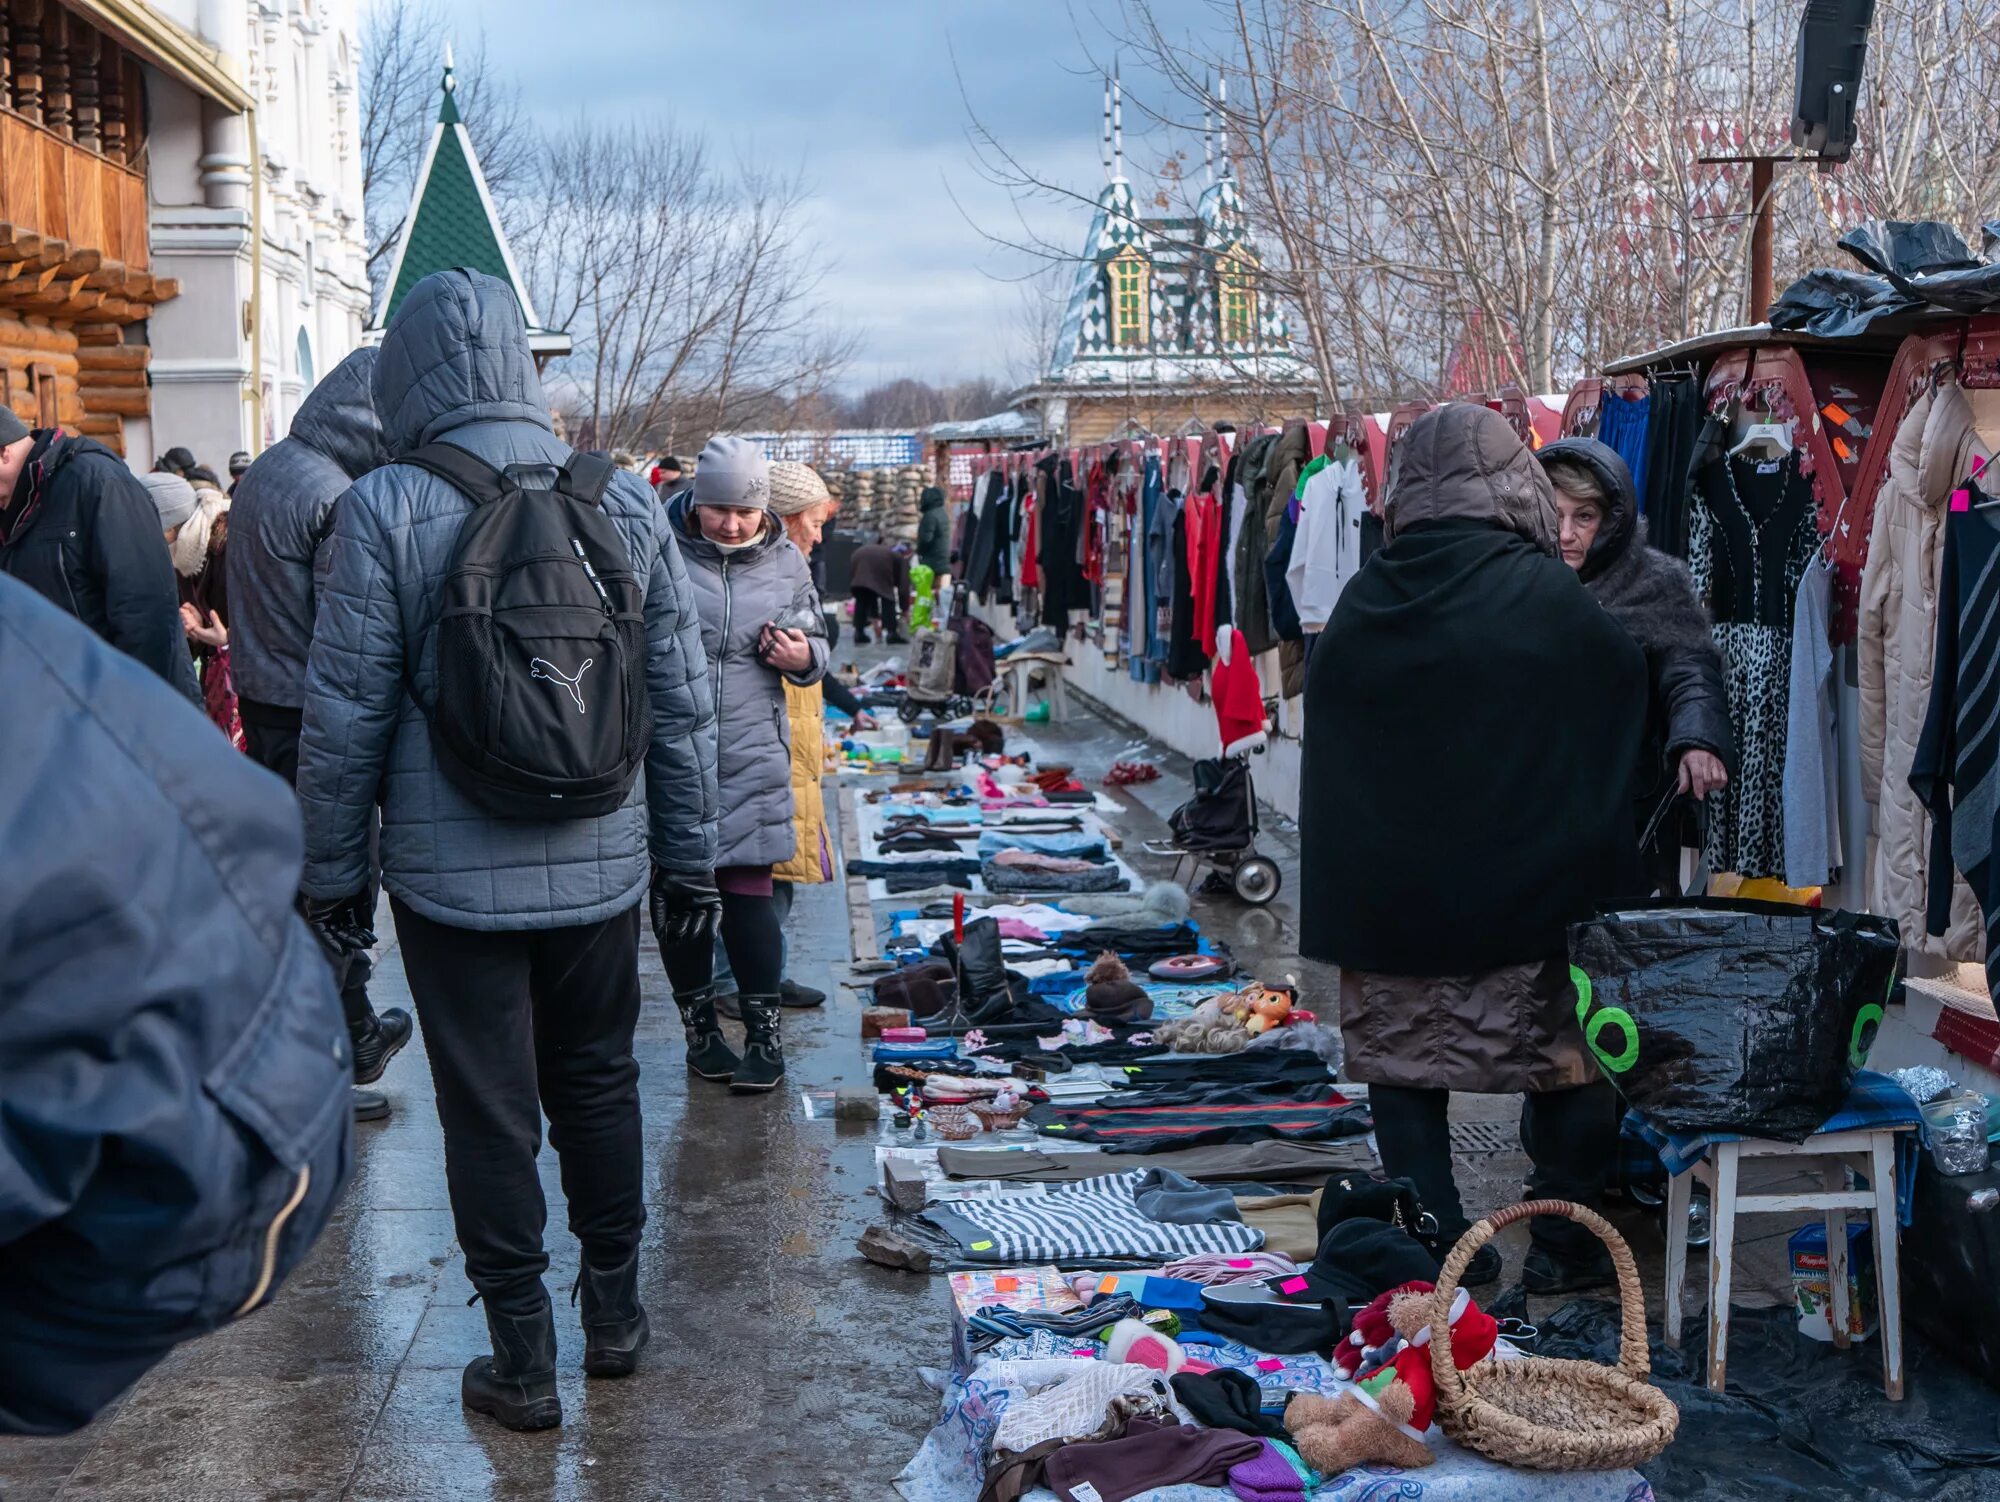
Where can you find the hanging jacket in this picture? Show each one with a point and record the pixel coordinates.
(1896, 640)
(1251, 541)
(281, 513)
(455, 366)
(1326, 552)
(737, 593)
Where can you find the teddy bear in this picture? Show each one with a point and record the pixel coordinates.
(1373, 1341)
(1382, 1419)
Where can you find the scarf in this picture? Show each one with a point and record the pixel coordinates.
(190, 547)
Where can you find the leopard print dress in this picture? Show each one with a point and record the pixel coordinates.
(1753, 533)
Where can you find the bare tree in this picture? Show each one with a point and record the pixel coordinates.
(689, 291)
(402, 64)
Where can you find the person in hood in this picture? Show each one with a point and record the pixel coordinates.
(1472, 717)
(934, 532)
(1688, 745)
(78, 528)
(520, 938)
(279, 519)
(762, 629)
(175, 1134)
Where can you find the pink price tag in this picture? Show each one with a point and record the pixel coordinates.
(1241, 1262)
(1270, 1364)
(1961, 500)
(1293, 1285)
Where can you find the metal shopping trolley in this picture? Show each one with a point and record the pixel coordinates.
(1216, 831)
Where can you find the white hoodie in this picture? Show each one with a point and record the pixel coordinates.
(1326, 551)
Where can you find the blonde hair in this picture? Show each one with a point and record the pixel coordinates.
(1576, 481)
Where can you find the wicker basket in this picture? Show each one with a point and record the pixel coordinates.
(993, 1118)
(1542, 1413)
(951, 1120)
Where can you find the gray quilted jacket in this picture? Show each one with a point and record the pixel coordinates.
(455, 365)
(282, 511)
(737, 593)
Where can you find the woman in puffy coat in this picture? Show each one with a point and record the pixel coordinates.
(761, 626)
(1688, 746)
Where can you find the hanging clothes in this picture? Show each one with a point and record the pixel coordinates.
(1205, 524)
(1327, 551)
(1149, 559)
(1812, 772)
(1061, 520)
(1196, 532)
(1624, 424)
(1251, 541)
(1895, 637)
(1957, 770)
(982, 547)
(1672, 437)
(1754, 533)
(1028, 530)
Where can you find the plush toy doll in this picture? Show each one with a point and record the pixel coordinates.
(1373, 1340)
(1383, 1418)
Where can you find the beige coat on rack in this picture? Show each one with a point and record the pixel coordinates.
(1897, 641)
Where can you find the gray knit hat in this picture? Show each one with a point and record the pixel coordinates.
(12, 429)
(172, 495)
(732, 472)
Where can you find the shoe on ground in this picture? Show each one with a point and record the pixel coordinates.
(896, 639)
(379, 1042)
(798, 997)
(614, 1321)
(370, 1105)
(861, 638)
(763, 1056)
(1545, 1272)
(708, 1053)
(1484, 1268)
(516, 1385)
(728, 1004)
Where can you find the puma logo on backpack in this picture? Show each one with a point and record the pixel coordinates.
(539, 578)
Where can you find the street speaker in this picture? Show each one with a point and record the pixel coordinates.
(1833, 49)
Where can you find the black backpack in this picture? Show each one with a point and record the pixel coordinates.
(541, 709)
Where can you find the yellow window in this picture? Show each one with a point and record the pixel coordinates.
(1128, 298)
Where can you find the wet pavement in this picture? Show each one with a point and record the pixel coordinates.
(782, 1364)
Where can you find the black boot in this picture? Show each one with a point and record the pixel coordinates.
(984, 992)
(708, 1055)
(517, 1383)
(614, 1323)
(792, 994)
(378, 1042)
(763, 1059)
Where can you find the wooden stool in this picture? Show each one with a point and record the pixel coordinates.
(1872, 1151)
(1013, 677)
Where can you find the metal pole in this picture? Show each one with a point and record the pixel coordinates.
(1761, 294)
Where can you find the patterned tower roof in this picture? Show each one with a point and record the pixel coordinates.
(452, 222)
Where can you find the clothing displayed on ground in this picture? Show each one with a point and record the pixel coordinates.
(1145, 1129)
(1149, 1456)
(1093, 1218)
(1812, 768)
(517, 1024)
(1410, 669)
(1896, 640)
(1754, 532)
(1957, 768)
(1270, 1160)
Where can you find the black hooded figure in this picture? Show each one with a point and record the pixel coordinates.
(1652, 596)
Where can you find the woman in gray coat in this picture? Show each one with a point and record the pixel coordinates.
(761, 624)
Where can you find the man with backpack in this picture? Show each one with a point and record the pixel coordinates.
(505, 643)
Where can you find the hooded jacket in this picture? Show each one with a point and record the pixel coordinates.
(92, 543)
(173, 1057)
(1653, 597)
(933, 531)
(281, 514)
(737, 593)
(455, 365)
(1471, 718)
(1897, 644)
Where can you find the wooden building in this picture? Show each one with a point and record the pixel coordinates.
(76, 280)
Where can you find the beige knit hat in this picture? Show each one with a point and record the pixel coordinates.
(796, 488)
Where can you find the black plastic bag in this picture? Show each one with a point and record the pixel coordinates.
(1904, 248)
(1732, 1016)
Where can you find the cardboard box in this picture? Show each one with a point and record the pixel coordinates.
(1811, 1291)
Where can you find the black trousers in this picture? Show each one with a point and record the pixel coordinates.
(869, 606)
(271, 736)
(1571, 1137)
(518, 1024)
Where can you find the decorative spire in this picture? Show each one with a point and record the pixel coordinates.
(1208, 131)
(1117, 126)
(1222, 120)
(1104, 144)
(448, 93)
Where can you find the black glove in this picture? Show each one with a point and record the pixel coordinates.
(685, 911)
(344, 926)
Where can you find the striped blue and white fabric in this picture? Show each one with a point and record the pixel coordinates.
(1095, 1218)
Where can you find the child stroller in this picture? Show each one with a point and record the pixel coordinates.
(1217, 829)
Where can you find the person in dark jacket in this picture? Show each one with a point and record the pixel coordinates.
(1472, 717)
(77, 527)
(520, 937)
(880, 579)
(1688, 745)
(279, 520)
(172, 1058)
(934, 532)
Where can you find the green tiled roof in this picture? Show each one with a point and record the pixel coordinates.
(449, 224)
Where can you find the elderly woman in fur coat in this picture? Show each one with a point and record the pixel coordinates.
(1688, 747)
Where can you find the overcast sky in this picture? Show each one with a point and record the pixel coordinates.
(863, 95)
